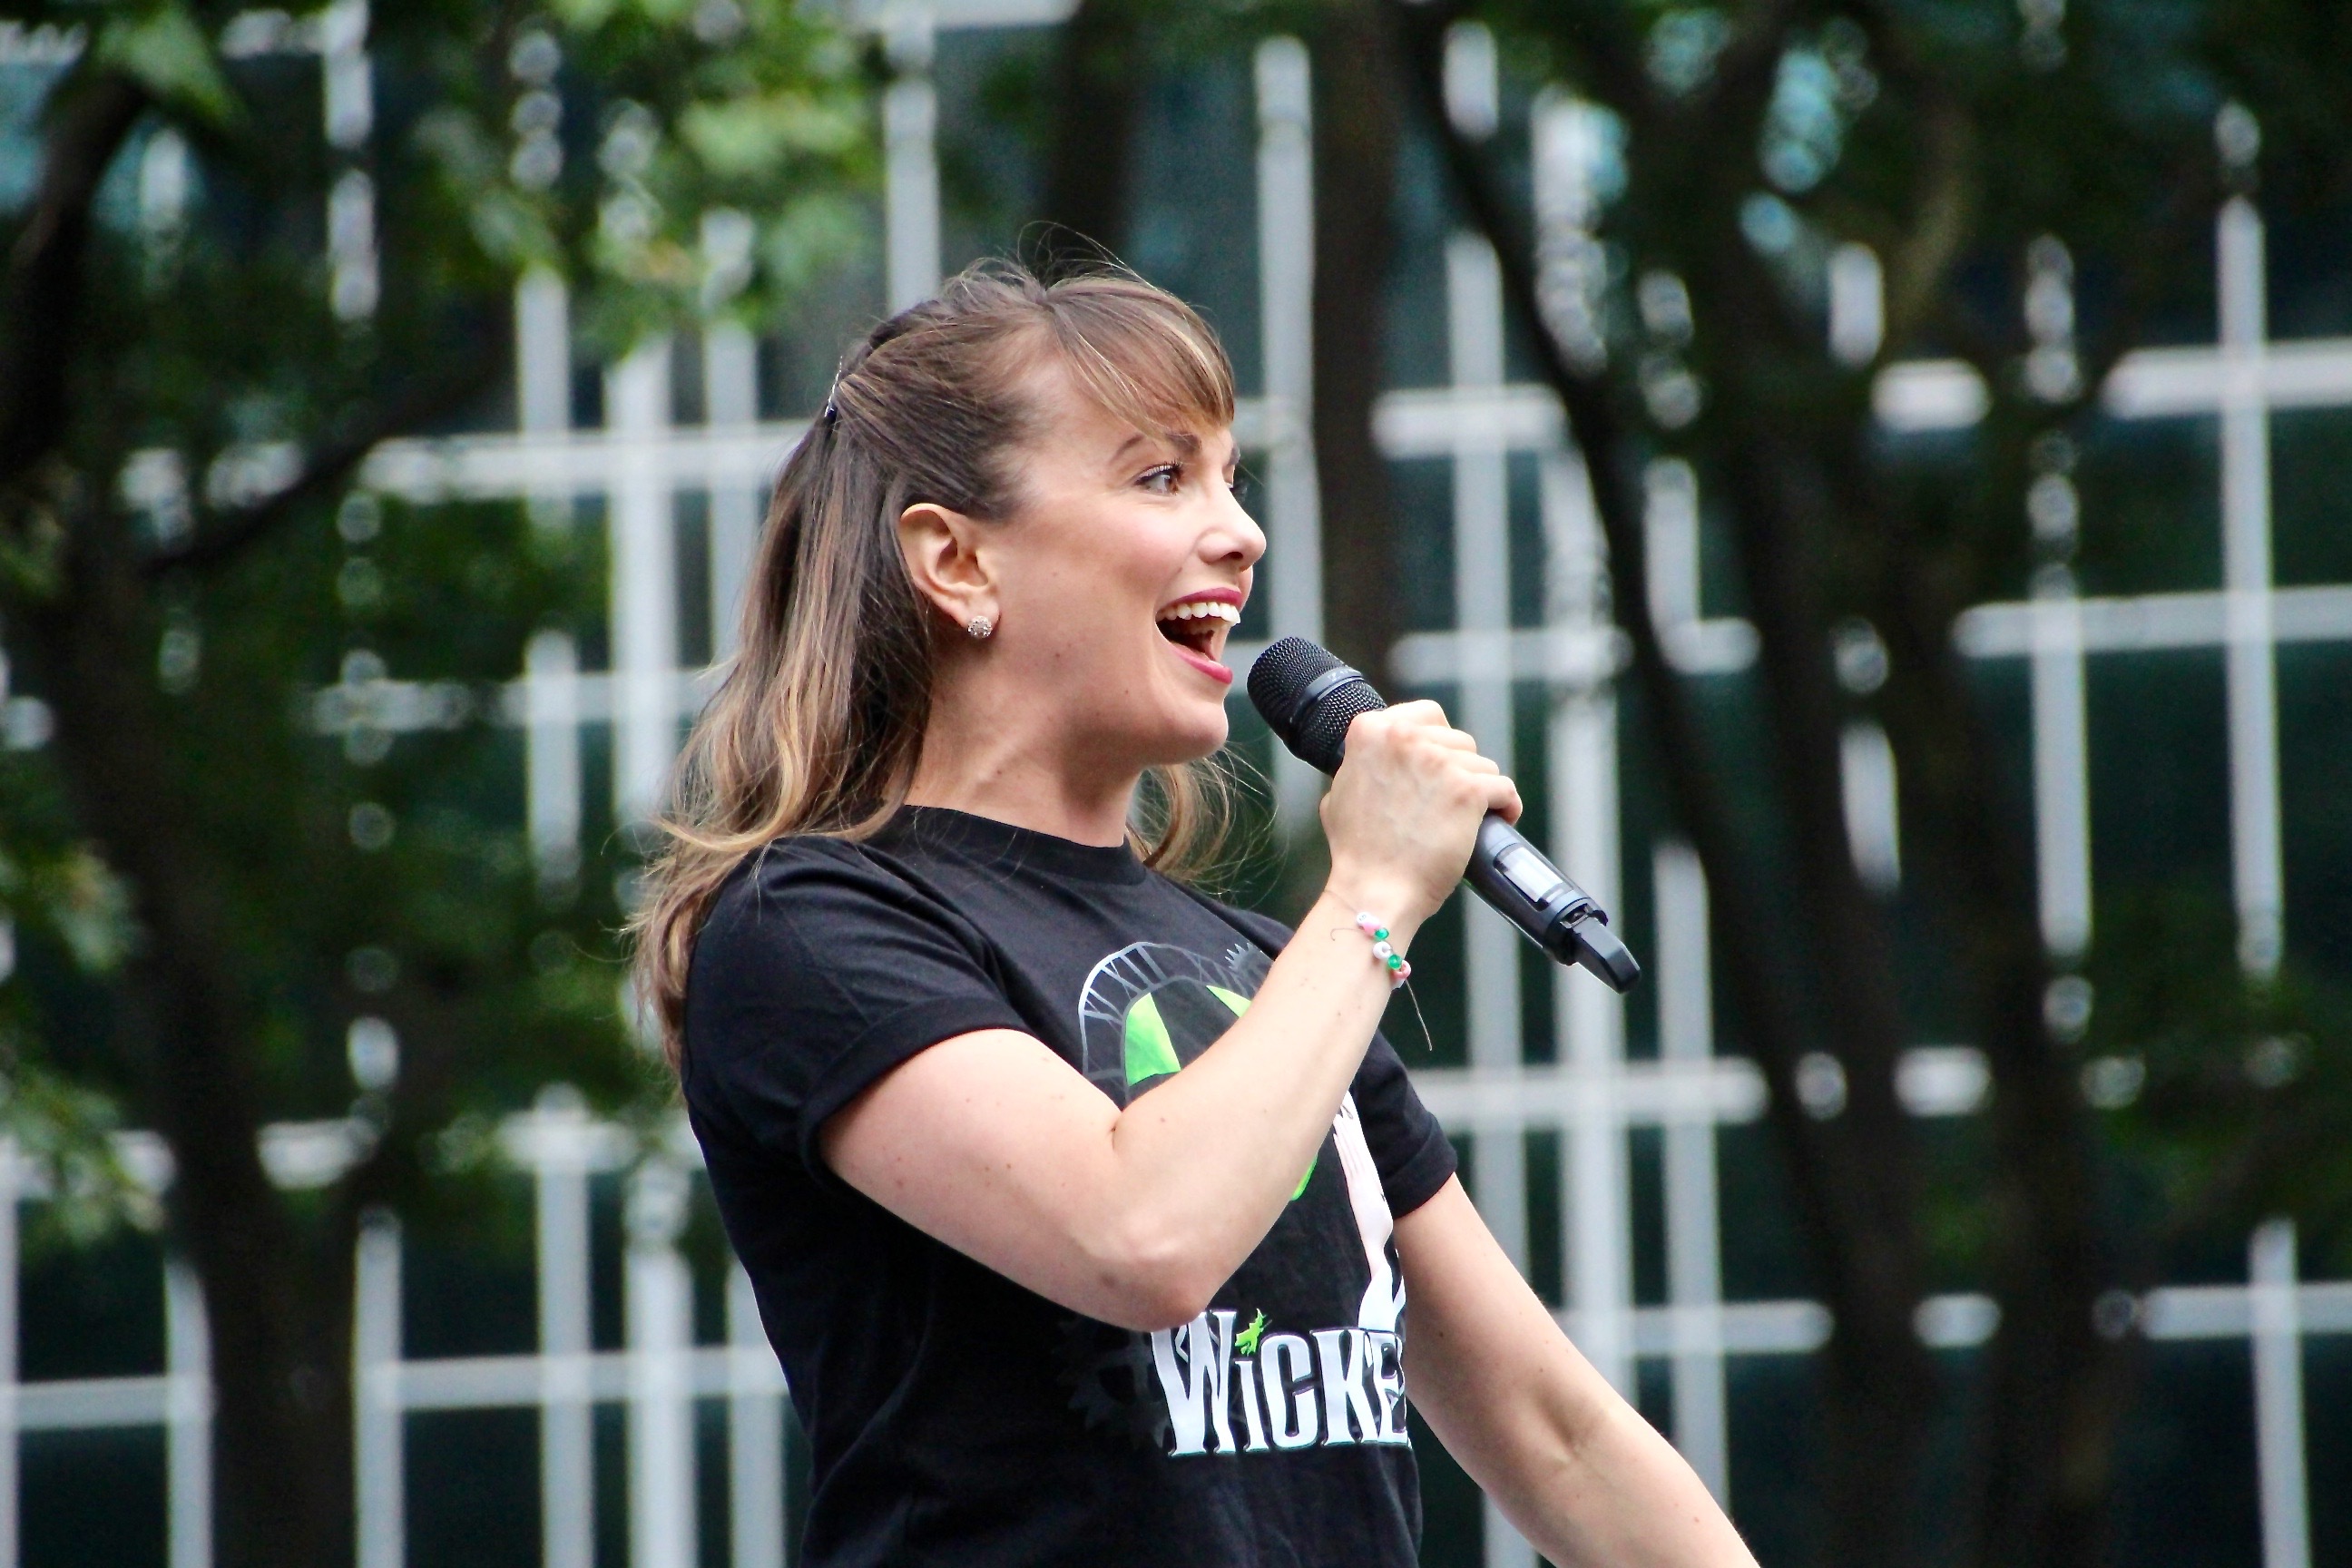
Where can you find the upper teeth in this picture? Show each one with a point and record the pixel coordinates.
(1197, 609)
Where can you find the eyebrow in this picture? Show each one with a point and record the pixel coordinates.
(1184, 441)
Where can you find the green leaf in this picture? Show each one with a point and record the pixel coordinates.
(168, 54)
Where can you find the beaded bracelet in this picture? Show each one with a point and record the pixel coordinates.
(1399, 970)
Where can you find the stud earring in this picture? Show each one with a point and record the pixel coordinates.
(980, 627)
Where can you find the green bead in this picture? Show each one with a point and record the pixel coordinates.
(1380, 933)
(1395, 961)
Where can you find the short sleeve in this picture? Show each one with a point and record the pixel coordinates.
(1407, 1144)
(818, 971)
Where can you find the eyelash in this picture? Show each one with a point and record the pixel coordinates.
(1174, 473)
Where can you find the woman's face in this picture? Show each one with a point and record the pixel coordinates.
(1118, 579)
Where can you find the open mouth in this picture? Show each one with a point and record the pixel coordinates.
(1199, 625)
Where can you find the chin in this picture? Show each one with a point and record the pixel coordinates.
(1191, 736)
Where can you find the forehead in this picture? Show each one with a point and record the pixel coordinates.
(1070, 421)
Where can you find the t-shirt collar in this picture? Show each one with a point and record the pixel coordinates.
(1009, 847)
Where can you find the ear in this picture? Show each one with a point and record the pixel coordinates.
(943, 556)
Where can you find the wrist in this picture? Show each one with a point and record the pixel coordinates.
(1389, 904)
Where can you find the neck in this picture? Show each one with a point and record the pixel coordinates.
(994, 755)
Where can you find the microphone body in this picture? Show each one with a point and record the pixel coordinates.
(1308, 697)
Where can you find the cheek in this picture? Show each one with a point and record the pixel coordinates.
(1102, 587)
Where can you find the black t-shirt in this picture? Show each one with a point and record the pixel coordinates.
(954, 1417)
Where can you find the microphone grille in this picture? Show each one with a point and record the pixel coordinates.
(1279, 675)
(1319, 734)
(1322, 738)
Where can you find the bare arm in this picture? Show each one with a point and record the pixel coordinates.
(1584, 1478)
(997, 1146)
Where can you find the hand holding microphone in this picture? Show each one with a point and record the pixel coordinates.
(1407, 808)
(1402, 815)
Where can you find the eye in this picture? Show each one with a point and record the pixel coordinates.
(1162, 481)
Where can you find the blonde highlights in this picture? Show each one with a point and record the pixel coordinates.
(818, 725)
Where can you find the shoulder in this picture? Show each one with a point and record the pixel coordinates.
(822, 963)
(793, 879)
(807, 896)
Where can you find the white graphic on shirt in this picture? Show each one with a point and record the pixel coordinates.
(1384, 1296)
(1350, 1390)
(1328, 1388)
(1144, 1013)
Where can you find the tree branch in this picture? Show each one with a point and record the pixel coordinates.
(329, 470)
(1615, 74)
(1858, 1233)
(1766, 1006)
(1946, 205)
(48, 269)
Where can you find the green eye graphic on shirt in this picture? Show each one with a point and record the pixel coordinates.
(1151, 1049)
(1150, 1007)
(1173, 1012)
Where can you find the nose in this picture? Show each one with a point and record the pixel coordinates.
(1236, 537)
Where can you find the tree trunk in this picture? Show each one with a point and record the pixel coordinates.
(1097, 87)
(1356, 129)
(1881, 1386)
(1849, 1173)
(2053, 1389)
(278, 1317)
(277, 1301)
(48, 269)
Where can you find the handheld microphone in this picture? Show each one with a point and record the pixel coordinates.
(1308, 697)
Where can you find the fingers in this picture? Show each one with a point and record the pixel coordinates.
(1484, 788)
(1405, 810)
(1421, 721)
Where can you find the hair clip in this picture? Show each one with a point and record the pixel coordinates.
(832, 413)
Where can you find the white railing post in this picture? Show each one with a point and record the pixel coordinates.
(2062, 787)
(1482, 614)
(558, 1150)
(378, 1451)
(1285, 292)
(2257, 871)
(910, 158)
(2278, 1396)
(11, 1190)
(188, 1417)
(1583, 745)
(755, 1433)
(730, 398)
(643, 588)
(660, 1306)
(543, 310)
(552, 756)
(1693, 1245)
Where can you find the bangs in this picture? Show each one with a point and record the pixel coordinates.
(1142, 353)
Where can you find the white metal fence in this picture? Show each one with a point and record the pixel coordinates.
(641, 459)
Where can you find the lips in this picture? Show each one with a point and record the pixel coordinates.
(1196, 624)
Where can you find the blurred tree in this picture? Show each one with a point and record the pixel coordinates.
(1098, 77)
(1952, 139)
(208, 889)
(1103, 64)
(1357, 114)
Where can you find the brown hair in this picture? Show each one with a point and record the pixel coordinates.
(819, 722)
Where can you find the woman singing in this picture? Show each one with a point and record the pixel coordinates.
(1083, 1211)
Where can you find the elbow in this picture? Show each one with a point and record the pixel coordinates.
(1148, 1312)
(1153, 1281)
